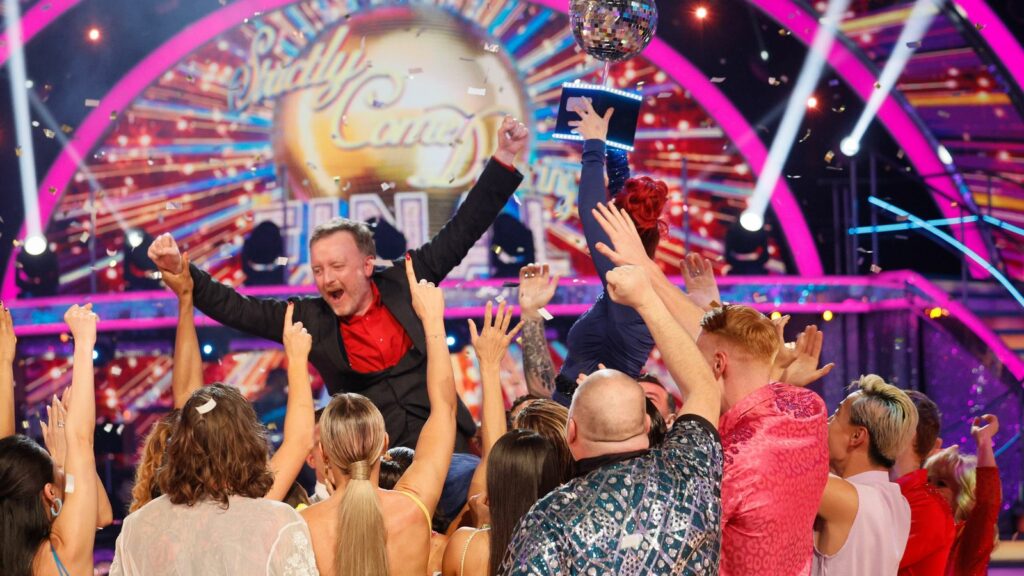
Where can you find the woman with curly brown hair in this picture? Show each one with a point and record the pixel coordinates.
(213, 518)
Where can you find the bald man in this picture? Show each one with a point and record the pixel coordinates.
(632, 509)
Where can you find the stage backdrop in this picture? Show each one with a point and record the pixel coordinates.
(381, 110)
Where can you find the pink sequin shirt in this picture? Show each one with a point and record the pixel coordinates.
(775, 443)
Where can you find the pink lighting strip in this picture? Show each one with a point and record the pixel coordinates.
(997, 36)
(96, 124)
(35, 20)
(921, 152)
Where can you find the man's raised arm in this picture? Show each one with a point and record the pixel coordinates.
(435, 259)
(261, 317)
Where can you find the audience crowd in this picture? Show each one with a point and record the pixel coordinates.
(733, 468)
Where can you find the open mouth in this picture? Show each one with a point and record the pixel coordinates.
(335, 295)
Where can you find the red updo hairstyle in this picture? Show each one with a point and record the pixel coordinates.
(644, 199)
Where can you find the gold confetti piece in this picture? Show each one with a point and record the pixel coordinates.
(53, 190)
(784, 32)
(773, 81)
(806, 136)
(829, 156)
(878, 85)
(717, 80)
(17, 151)
(497, 249)
(281, 261)
(476, 91)
(272, 426)
(876, 269)
(190, 79)
(113, 114)
(840, 109)
(49, 133)
(493, 48)
(980, 26)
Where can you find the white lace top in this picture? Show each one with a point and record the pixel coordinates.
(252, 536)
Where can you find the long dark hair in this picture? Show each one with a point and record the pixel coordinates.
(25, 469)
(522, 468)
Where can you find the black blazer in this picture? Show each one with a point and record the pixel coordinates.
(399, 392)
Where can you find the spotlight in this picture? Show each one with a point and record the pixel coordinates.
(94, 34)
(37, 273)
(849, 146)
(812, 102)
(944, 156)
(140, 273)
(35, 245)
(135, 238)
(746, 251)
(213, 348)
(701, 12)
(450, 341)
(751, 221)
(764, 55)
(207, 349)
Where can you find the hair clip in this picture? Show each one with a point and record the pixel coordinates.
(210, 405)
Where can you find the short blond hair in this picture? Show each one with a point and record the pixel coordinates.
(959, 472)
(744, 327)
(889, 415)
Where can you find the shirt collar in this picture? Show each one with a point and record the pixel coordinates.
(870, 477)
(734, 415)
(588, 465)
(374, 304)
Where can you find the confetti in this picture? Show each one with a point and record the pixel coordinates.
(493, 48)
(914, 45)
(943, 114)
(878, 85)
(900, 154)
(476, 91)
(115, 370)
(113, 114)
(876, 269)
(172, 206)
(717, 80)
(281, 261)
(35, 123)
(840, 109)
(806, 136)
(53, 190)
(17, 151)
(545, 314)
(784, 32)
(980, 26)
(66, 129)
(500, 298)
(664, 94)
(829, 156)
(773, 81)
(793, 176)
(760, 298)
(49, 133)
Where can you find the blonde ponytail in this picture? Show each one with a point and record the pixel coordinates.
(352, 434)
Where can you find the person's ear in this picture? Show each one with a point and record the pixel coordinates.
(387, 442)
(323, 455)
(368, 262)
(570, 431)
(858, 437)
(936, 448)
(720, 364)
(647, 424)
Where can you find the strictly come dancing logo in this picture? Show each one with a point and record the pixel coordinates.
(387, 100)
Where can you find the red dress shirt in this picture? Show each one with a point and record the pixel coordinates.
(931, 527)
(775, 443)
(975, 536)
(374, 341)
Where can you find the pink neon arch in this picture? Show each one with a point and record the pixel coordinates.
(96, 124)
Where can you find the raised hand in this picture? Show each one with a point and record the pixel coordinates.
(627, 248)
(513, 136)
(583, 376)
(179, 282)
(804, 368)
(82, 322)
(493, 341)
(297, 340)
(630, 286)
(699, 275)
(591, 125)
(787, 351)
(8, 341)
(165, 254)
(53, 429)
(427, 299)
(984, 428)
(536, 288)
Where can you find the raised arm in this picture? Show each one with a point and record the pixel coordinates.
(979, 527)
(630, 286)
(299, 420)
(491, 345)
(261, 317)
(594, 129)
(74, 530)
(187, 369)
(536, 288)
(425, 476)
(627, 249)
(435, 259)
(8, 344)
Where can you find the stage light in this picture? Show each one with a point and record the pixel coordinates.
(812, 102)
(936, 313)
(776, 315)
(796, 109)
(849, 146)
(94, 34)
(135, 238)
(450, 341)
(944, 156)
(35, 245)
(37, 274)
(751, 220)
(827, 315)
(764, 55)
(701, 12)
(207, 349)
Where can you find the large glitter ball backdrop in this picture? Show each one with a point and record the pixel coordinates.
(403, 99)
(613, 30)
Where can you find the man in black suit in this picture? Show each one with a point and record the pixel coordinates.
(366, 337)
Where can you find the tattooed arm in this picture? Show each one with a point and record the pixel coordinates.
(536, 288)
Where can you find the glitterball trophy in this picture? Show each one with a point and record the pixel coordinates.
(611, 31)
